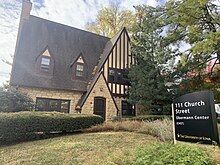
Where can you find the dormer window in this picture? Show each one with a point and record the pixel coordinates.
(79, 70)
(45, 63)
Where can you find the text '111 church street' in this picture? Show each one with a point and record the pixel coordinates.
(194, 118)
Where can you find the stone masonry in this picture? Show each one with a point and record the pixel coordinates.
(33, 93)
(100, 90)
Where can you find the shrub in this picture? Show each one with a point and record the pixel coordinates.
(162, 129)
(23, 125)
(167, 153)
(14, 101)
(150, 117)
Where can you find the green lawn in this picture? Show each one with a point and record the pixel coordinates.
(87, 148)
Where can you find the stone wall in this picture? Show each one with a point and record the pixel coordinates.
(100, 90)
(33, 93)
(118, 101)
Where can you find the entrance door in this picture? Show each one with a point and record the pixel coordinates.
(100, 106)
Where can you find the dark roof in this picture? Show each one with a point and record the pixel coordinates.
(65, 43)
(108, 48)
(86, 94)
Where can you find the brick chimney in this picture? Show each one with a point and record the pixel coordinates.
(25, 12)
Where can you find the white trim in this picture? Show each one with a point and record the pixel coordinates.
(80, 60)
(46, 53)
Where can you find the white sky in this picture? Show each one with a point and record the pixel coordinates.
(75, 13)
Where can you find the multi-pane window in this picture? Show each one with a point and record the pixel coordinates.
(45, 63)
(119, 76)
(127, 109)
(79, 70)
(111, 75)
(46, 104)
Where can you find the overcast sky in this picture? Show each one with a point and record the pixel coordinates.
(75, 13)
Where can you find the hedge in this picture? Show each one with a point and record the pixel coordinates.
(23, 125)
(150, 117)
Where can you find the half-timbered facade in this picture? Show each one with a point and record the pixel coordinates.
(71, 70)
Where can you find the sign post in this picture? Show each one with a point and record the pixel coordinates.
(194, 118)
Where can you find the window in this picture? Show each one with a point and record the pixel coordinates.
(79, 70)
(65, 106)
(127, 109)
(111, 75)
(45, 63)
(119, 76)
(46, 104)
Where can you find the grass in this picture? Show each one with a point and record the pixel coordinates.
(168, 153)
(87, 148)
(213, 151)
(110, 143)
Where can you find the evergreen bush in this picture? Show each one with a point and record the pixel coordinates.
(14, 101)
(23, 125)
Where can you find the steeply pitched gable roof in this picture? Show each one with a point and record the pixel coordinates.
(65, 43)
(108, 48)
(86, 95)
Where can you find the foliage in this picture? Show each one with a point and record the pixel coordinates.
(148, 76)
(150, 117)
(192, 84)
(197, 24)
(23, 125)
(14, 101)
(110, 20)
(162, 129)
(193, 30)
(167, 153)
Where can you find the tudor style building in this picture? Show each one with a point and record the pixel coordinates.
(71, 70)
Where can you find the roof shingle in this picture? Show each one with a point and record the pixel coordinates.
(65, 44)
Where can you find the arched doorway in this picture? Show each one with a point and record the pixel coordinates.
(100, 106)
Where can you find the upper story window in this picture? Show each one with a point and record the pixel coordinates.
(79, 70)
(45, 63)
(111, 75)
(118, 76)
